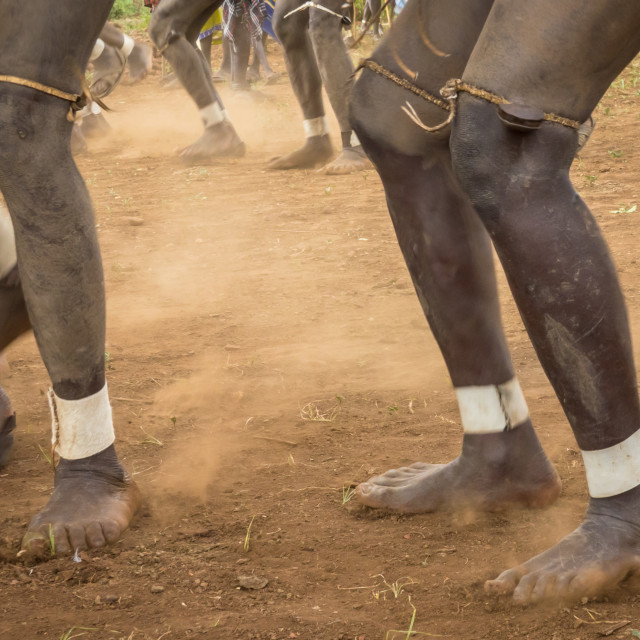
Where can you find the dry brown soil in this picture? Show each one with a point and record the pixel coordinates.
(265, 350)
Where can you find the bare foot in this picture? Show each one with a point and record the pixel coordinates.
(140, 62)
(599, 554)
(218, 141)
(93, 502)
(316, 151)
(494, 471)
(350, 160)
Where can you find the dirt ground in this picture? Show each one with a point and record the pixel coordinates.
(265, 350)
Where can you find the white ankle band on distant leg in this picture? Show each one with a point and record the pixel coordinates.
(127, 47)
(355, 142)
(613, 470)
(8, 256)
(211, 114)
(97, 50)
(81, 428)
(316, 127)
(492, 408)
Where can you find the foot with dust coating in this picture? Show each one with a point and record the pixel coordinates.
(316, 151)
(351, 159)
(140, 62)
(93, 502)
(218, 141)
(599, 554)
(494, 471)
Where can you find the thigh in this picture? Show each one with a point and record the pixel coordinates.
(179, 16)
(49, 42)
(298, 20)
(429, 43)
(558, 56)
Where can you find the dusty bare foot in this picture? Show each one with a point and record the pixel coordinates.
(599, 554)
(494, 471)
(7, 426)
(140, 62)
(350, 160)
(316, 151)
(218, 141)
(93, 502)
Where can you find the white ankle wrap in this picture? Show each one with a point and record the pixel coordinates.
(492, 408)
(127, 47)
(613, 470)
(355, 142)
(97, 50)
(212, 114)
(81, 428)
(8, 256)
(316, 127)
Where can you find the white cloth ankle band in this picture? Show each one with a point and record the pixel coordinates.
(81, 428)
(316, 127)
(8, 256)
(97, 50)
(613, 470)
(355, 142)
(492, 408)
(127, 47)
(211, 114)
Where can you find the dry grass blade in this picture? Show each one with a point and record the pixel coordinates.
(314, 412)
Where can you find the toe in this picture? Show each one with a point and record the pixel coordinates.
(60, 539)
(77, 537)
(111, 529)
(505, 583)
(544, 587)
(522, 594)
(95, 536)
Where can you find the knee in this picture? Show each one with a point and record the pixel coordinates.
(375, 113)
(324, 28)
(292, 29)
(161, 27)
(498, 167)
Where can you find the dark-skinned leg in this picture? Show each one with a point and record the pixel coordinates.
(260, 58)
(94, 499)
(558, 265)
(300, 59)
(336, 71)
(448, 254)
(174, 27)
(240, 52)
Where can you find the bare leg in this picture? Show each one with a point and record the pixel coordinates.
(174, 27)
(557, 263)
(448, 254)
(240, 52)
(336, 71)
(58, 256)
(293, 33)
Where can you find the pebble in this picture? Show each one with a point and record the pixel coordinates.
(157, 588)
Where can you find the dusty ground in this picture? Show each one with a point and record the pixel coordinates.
(266, 349)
